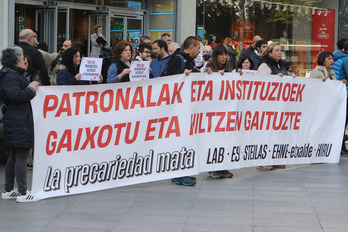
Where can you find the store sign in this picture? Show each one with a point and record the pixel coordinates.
(323, 34)
(243, 30)
(21, 24)
(95, 137)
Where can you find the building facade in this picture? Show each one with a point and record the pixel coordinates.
(57, 21)
(305, 28)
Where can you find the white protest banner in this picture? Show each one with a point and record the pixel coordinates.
(90, 68)
(140, 70)
(94, 137)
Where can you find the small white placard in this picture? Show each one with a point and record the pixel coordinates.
(199, 60)
(140, 70)
(90, 68)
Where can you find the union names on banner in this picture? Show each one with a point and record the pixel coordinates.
(95, 137)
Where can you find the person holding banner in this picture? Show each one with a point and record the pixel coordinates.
(68, 73)
(219, 63)
(246, 65)
(120, 68)
(323, 70)
(271, 62)
(340, 68)
(16, 92)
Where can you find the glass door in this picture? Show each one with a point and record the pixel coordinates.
(117, 29)
(125, 27)
(134, 30)
(46, 24)
(103, 19)
(63, 26)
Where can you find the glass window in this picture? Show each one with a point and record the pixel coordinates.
(24, 19)
(133, 4)
(93, 2)
(161, 18)
(303, 31)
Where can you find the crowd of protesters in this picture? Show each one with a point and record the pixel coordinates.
(25, 68)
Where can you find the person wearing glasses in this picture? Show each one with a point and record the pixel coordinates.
(27, 41)
(144, 52)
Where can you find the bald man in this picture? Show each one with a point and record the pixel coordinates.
(27, 41)
(250, 50)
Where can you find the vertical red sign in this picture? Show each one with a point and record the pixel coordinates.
(245, 31)
(323, 33)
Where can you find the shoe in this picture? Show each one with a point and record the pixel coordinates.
(9, 195)
(279, 166)
(226, 174)
(215, 175)
(265, 168)
(27, 198)
(186, 181)
(30, 166)
(192, 177)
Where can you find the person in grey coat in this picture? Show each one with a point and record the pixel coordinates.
(98, 42)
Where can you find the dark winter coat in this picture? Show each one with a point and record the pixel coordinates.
(246, 53)
(37, 61)
(276, 67)
(66, 77)
(116, 68)
(18, 119)
(174, 63)
(231, 54)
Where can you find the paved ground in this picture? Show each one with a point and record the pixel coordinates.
(303, 198)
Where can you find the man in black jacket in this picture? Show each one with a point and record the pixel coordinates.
(191, 48)
(182, 61)
(27, 40)
(250, 50)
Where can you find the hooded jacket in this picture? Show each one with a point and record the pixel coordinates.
(340, 66)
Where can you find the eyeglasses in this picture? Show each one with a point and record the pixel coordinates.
(148, 52)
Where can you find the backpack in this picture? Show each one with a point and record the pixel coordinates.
(182, 64)
(107, 61)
